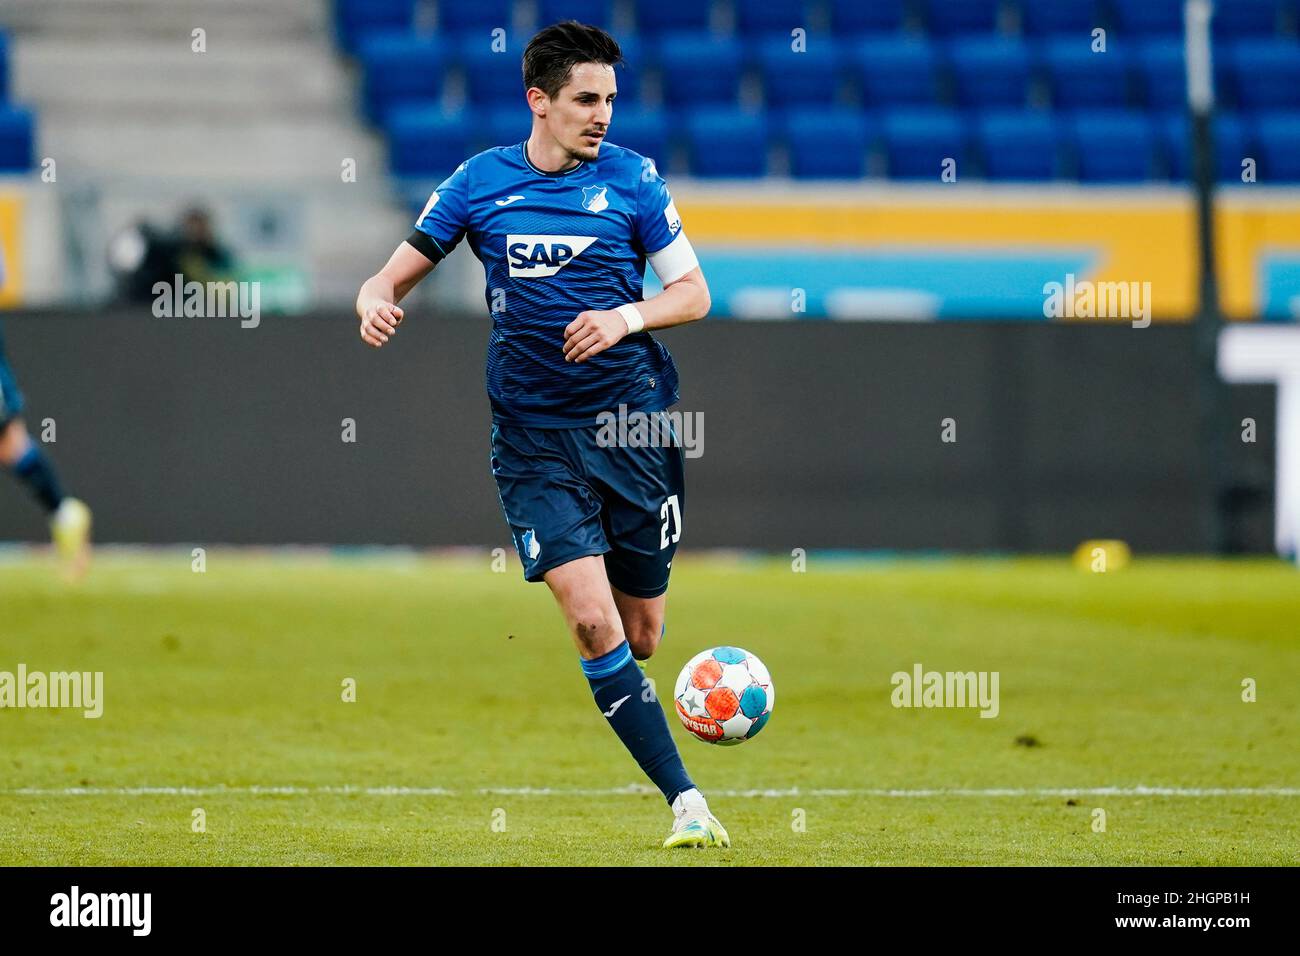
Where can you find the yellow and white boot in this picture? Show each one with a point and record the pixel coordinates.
(70, 527)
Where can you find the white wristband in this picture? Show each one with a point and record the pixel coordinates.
(632, 317)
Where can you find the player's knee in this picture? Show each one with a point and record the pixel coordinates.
(595, 625)
(643, 638)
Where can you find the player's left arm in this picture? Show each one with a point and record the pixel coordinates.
(685, 297)
(684, 300)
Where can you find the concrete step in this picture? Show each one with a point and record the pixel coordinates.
(60, 73)
(224, 20)
(297, 150)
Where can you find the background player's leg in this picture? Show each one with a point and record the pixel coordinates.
(23, 457)
(643, 621)
(18, 453)
(70, 519)
(13, 441)
(621, 690)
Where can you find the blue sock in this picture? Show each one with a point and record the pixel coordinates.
(618, 684)
(35, 471)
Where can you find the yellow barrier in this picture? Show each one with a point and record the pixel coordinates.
(1138, 235)
(11, 250)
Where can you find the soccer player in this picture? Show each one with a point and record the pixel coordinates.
(19, 454)
(564, 224)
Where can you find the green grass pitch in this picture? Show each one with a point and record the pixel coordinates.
(473, 738)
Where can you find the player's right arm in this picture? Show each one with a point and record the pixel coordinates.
(377, 301)
(440, 227)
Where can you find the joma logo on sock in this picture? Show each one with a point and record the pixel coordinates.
(616, 705)
(103, 909)
(57, 689)
(922, 688)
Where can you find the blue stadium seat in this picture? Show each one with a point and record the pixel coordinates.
(990, 71)
(1162, 68)
(771, 17)
(1266, 74)
(727, 143)
(598, 13)
(799, 80)
(353, 19)
(700, 69)
(475, 17)
(1135, 17)
(635, 53)
(17, 140)
(629, 86)
(828, 144)
(1082, 79)
(947, 17)
(1277, 136)
(642, 131)
(424, 141)
(505, 126)
(1246, 18)
(852, 17)
(896, 71)
(1231, 146)
(1047, 17)
(658, 17)
(1113, 145)
(491, 78)
(421, 63)
(917, 141)
(1018, 144)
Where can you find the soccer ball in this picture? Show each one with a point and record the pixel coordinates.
(724, 695)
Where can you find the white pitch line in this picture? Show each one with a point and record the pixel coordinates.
(636, 789)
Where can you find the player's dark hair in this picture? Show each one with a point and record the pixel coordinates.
(554, 51)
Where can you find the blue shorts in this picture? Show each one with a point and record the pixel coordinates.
(566, 496)
(11, 400)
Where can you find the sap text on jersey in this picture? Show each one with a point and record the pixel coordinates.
(536, 257)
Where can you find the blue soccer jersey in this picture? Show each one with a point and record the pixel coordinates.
(554, 245)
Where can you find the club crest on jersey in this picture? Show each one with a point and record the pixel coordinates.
(532, 547)
(593, 198)
(536, 257)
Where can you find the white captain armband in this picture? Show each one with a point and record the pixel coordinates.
(674, 260)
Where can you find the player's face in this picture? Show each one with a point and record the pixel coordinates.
(579, 115)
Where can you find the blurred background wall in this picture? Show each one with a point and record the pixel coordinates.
(816, 435)
(889, 185)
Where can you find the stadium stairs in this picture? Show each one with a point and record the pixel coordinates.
(121, 95)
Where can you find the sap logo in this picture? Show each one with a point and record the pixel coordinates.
(673, 219)
(535, 257)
